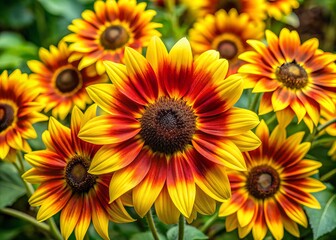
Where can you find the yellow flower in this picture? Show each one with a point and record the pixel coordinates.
(60, 82)
(66, 186)
(280, 8)
(295, 79)
(171, 130)
(226, 33)
(104, 33)
(269, 195)
(18, 112)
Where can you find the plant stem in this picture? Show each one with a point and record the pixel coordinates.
(25, 217)
(151, 225)
(53, 229)
(322, 141)
(325, 125)
(254, 102)
(20, 168)
(208, 223)
(181, 227)
(328, 175)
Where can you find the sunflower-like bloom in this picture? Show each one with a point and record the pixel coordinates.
(66, 185)
(295, 79)
(279, 8)
(104, 33)
(327, 115)
(226, 33)
(60, 82)
(254, 9)
(277, 182)
(170, 130)
(18, 112)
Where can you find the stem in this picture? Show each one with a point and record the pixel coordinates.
(322, 141)
(54, 230)
(328, 175)
(20, 168)
(181, 227)
(310, 138)
(208, 223)
(25, 217)
(151, 225)
(271, 119)
(254, 102)
(325, 125)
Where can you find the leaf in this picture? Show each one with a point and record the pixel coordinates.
(323, 220)
(146, 236)
(64, 8)
(11, 186)
(190, 233)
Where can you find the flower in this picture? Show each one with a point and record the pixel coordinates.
(104, 33)
(294, 78)
(226, 33)
(61, 83)
(18, 112)
(327, 115)
(170, 130)
(279, 8)
(277, 182)
(66, 185)
(254, 9)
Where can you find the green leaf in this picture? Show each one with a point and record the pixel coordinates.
(11, 186)
(190, 233)
(146, 236)
(323, 220)
(64, 8)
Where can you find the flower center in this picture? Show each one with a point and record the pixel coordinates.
(6, 116)
(76, 175)
(227, 49)
(228, 4)
(168, 125)
(114, 37)
(68, 80)
(263, 182)
(292, 75)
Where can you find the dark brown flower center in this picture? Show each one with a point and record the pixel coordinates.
(229, 4)
(68, 80)
(114, 37)
(167, 126)
(6, 116)
(263, 182)
(292, 75)
(77, 176)
(227, 49)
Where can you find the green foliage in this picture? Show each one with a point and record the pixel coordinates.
(323, 221)
(190, 233)
(11, 186)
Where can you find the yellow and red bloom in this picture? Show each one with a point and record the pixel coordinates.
(269, 195)
(104, 33)
(170, 130)
(226, 33)
(279, 8)
(294, 78)
(327, 115)
(67, 186)
(254, 9)
(60, 82)
(18, 112)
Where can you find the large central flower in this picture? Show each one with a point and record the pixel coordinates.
(171, 130)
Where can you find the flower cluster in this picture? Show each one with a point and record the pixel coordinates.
(223, 122)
